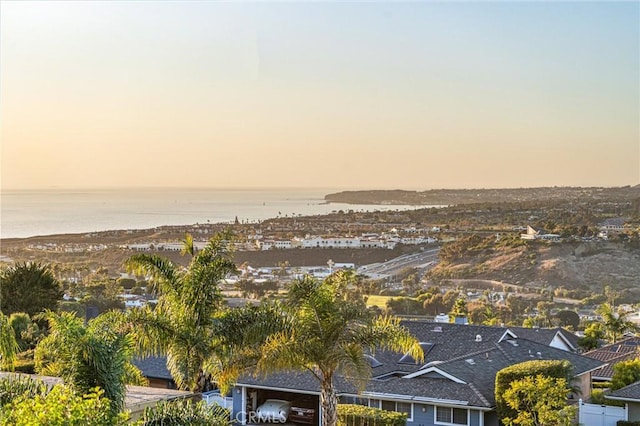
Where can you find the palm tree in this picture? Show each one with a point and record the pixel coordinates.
(99, 354)
(28, 287)
(318, 330)
(615, 323)
(181, 324)
(8, 344)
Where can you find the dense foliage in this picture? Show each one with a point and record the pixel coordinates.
(538, 401)
(60, 407)
(28, 287)
(625, 373)
(359, 415)
(181, 325)
(185, 413)
(15, 386)
(8, 344)
(505, 377)
(98, 355)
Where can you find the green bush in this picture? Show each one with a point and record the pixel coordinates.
(504, 378)
(185, 412)
(626, 423)
(61, 407)
(16, 385)
(601, 385)
(598, 397)
(359, 415)
(26, 366)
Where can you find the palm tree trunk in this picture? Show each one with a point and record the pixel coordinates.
(329, 402)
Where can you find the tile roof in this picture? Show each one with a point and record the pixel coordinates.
(612, 354)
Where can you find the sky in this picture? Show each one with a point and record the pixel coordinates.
(353, 95)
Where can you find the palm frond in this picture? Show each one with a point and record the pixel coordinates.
(282, 351)
(151, 331)
(385, 332)
(353, 364)
(8, 344)
(162, 272)
(187, 245)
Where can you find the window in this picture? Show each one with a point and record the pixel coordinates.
(404, 407)
(375, 403)
(388, 405)
(451, 416)
(400, 407)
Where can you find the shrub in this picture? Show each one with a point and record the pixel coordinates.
(61, 407)
(504, 378)
(627, 423)
(359, 415)
(16, 385)
(185, 413)
(601, 385)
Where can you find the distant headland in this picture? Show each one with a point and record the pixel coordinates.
(468, 196)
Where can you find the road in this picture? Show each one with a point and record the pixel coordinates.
(422, 261)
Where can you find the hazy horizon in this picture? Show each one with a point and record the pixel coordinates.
(289, 188)
(327, 95)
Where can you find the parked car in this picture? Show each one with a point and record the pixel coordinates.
(302, 415)
(273, 410)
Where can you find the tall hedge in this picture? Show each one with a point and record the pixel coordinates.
(359, 415)
(550, 368)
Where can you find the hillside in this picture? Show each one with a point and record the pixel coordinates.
(583, 266)
(472, 196)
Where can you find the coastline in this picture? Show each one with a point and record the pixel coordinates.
(55, 213)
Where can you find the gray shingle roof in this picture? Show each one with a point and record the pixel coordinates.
(457, 351)
(631, 392)
(545, 335)
(153, 367)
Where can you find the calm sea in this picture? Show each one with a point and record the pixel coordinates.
(31, 213)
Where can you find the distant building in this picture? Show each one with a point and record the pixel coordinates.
(615, 224)
(539, 234)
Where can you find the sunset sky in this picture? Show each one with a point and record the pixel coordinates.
(319, 94)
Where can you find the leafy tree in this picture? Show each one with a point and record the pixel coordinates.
(61, 407)
(26, 331)
(98, 355)
(181, 324)
(28, 287)
(625, 373)
(459, 309)
(593, 334)
(504, 378)
(126, 283)
(539, 401)
(102, 292)
(318, 330)
(439, 303)
(404, 306)
(8, 344)
(568, 318)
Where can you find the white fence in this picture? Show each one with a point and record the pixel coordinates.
(214, 398)
(600, 415)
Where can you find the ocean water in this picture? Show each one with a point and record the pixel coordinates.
(50, 212)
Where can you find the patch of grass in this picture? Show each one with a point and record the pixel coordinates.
(379, 301)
